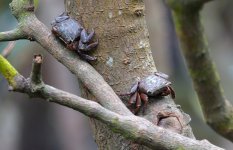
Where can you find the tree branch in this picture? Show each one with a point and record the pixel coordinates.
(219, 115)
(33, 28)
(12, 35)
(135, 128)
(186, 4)
(8, 71)
(7, 50)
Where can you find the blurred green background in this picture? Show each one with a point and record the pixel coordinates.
(37, 125)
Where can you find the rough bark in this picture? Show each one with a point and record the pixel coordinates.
(124, 56)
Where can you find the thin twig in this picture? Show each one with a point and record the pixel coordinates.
(7, 50)
(12, 35)
(36, 69)
(36, 77)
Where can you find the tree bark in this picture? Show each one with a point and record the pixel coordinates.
(124, 56)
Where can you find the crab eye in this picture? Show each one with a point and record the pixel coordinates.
(149, 92)
(165, 88)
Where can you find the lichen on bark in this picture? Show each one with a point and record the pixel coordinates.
(8, 71)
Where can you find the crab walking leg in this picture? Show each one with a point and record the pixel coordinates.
(91, 46)
(138, 103)
(85, 56)
(132, 99)
(144, 98)
(173, 94)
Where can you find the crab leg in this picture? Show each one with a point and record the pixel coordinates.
(172, 92)
(85, 56)
(138, 103)
(91, 46)
(144, 98)
(132, 98)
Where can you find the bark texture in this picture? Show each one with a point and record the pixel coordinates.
(123, 46)
(124, 51)
(124, 56)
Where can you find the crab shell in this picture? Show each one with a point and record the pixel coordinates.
(153, 85)
(67, 30)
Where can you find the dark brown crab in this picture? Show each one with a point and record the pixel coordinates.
(152, 85)
(73, 34)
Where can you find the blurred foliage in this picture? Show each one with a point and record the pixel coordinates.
(3, 4)
(36, 3)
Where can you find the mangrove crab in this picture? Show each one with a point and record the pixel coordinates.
(73, 34)
(151, 86)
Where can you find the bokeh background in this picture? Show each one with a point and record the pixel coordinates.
(37, 125)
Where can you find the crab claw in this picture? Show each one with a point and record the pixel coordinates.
(168, 90)
(61, 17)
(85, 38)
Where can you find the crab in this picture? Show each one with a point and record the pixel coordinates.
(73, 34)
(154, 85)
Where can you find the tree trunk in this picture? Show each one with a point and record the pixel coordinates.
(123, 55)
